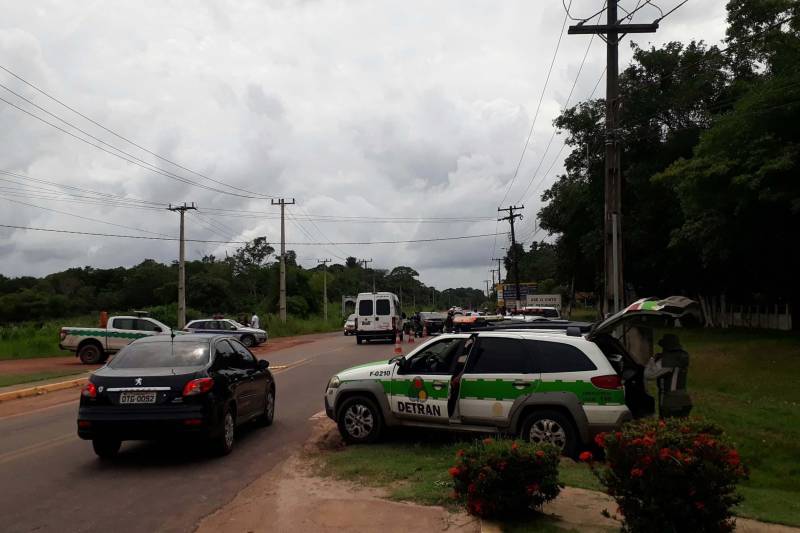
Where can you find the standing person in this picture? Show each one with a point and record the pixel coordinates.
(448, 322)
(670, 369)
(254, 323)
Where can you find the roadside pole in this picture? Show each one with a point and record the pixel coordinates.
(182, 264)
(365, 261)
(612, 32)
(514, 259)
(324, 286)
(282, 302)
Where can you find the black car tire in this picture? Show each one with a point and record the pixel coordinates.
(248, 340)
(106, 448)
(359, 340)
(222, 443)
(91, 353)
(269, 408)
(359, 420)
(551, 422)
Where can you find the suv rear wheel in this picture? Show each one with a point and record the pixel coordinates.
(359, 420)
(551, 427)
(91, 354)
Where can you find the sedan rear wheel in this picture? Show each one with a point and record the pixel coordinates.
(106, 448)
(269, 408)
(248, 340)
(222, 444)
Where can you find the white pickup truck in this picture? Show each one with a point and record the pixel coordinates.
(94, 345)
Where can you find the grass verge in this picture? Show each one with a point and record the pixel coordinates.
(745, 381)
(8, 380)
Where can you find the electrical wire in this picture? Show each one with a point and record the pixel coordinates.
(119, 136)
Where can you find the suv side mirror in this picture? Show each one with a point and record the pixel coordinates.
(263, 364)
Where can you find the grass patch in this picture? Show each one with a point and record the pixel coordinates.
(743, 380)
(15, 379)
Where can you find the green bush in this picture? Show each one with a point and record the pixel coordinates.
(671, 475)
(504, 478)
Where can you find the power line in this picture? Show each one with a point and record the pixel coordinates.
(119, 136)
(538, 106)
(144, 237)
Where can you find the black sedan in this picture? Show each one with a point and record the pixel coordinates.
(197, 386)
(433, 322)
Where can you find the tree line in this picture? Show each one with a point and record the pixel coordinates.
(241, 283)
(711, 159)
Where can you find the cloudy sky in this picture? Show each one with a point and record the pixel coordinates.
(371, 114)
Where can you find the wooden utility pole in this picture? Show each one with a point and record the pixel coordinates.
(283, 202)
(365, 261)
(324, 286)
(514, 259)
(612, 32)
(182, 265)
(487, 288)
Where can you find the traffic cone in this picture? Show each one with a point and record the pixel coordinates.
(411, 337)
(424, 330)
(398, 348)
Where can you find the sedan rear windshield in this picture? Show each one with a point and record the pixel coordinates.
(161, 354)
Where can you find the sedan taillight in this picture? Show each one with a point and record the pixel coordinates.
(198, 386)
(89, 390)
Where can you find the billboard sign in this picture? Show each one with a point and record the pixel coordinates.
(544, 300)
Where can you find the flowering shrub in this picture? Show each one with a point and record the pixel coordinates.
(671, 475)
(505, 478)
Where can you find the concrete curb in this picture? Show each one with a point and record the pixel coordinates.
(42, 389)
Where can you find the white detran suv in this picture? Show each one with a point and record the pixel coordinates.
(554, 386)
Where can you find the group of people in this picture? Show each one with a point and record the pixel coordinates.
(252, 322)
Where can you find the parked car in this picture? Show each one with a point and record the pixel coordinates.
(350, 324)
(248, 336)
(199, 386)
(94, 345)
(555, 386)
(378, 316)
(433, 322)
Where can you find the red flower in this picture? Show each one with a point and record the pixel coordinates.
(637, 472)
(502, 465)
(646, 460)
(733, 458)
(618, 435)
(585, 456)
(514, 445)
(648, 441)
(488, 440)
(460, 453)
(454, 471)
(472, 488)
(661, 424)
(700, 505)
(532, 488)
(539, 454)
(600, 440)
(664, 454)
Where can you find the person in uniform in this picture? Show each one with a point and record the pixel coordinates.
(670, 369)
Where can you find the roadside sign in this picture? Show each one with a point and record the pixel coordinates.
(508, 291)
(544, 300)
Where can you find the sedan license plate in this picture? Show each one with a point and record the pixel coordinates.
(137, 397)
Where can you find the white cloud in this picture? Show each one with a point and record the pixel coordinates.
(354, 108)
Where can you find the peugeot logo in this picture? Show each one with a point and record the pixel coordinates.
(137, 381)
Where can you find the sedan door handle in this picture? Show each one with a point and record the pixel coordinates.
(519, 384)
(439, 385)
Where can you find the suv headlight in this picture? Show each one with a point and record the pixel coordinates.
(334, 383)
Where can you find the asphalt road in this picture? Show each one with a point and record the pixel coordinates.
(50, 480)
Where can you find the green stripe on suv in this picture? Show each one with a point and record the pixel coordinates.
(107, 334)
(500, 389)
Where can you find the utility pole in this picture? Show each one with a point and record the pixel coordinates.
(612, 32)
(182, 265)
(365, 261)
(283, 202)
(514, 259)
(487, 288)
(324, 286)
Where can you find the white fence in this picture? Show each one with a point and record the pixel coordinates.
(718, 313)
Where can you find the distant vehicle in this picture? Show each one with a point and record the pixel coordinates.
(224, 326)
(197, 386)
(350, 324)
(378, 316)
(94, 345)
(544, 312)
(433, 322)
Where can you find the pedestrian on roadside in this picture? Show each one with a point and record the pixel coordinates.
(254, 321)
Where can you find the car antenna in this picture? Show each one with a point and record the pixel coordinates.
(172, 333)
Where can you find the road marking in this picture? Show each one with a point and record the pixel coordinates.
(318, 416)
(293, 365)
(33, 448)
(40, 409)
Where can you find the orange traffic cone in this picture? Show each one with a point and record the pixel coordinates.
(398, 348)
(424, 330)
(411, 337)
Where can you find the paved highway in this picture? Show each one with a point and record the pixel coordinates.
(50, 480)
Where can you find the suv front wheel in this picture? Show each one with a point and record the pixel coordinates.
(359, 420)
(551, 427)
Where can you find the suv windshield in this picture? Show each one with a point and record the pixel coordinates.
(161, 354)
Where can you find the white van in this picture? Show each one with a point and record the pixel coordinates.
(378, 316)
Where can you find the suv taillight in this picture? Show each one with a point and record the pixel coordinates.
(607, 382)
(89, 390)
(62, 334)
(198, 386)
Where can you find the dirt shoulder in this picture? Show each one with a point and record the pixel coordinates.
(293, 498)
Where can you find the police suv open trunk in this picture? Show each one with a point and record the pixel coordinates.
(626, 339)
